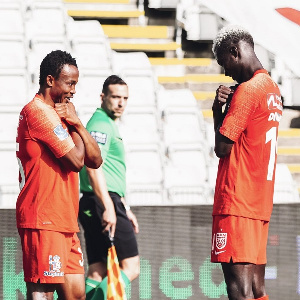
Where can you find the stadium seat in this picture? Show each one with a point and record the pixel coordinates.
(13, 87)
(144, 175)
(285, 188)
(84, 28)
(122, 62)
(186, 175)
(9, 120)
(89, 89)
(92, 53)
(140, 125)
(199, 22)
(13, 54)
(11, 18)
(39, 48)
(46, 18)
(142, 87)
(9, 181)
(183, 125)
(175, 98)
(163, 4)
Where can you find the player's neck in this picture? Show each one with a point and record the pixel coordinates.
(45, 97)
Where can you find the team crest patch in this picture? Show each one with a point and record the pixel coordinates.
(54, 267)
(60, 132)
(221, 240)
(99, 137)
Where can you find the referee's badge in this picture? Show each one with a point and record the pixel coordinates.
(99, 137)
(221, 240)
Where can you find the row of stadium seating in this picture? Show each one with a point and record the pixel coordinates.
(168, 142)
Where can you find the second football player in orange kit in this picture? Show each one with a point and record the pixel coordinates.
(245, 141)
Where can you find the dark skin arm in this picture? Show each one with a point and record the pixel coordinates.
(86, 150)
(223, 145)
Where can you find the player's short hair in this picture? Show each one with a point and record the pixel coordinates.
(53, 63)
(228, 35)
(112, 79)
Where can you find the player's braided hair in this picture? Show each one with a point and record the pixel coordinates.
(112, 79)
(229, 35)
(53, 63)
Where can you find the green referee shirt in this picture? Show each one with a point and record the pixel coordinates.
(105, 131)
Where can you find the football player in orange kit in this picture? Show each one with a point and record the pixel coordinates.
(245, 141)
(52, 147)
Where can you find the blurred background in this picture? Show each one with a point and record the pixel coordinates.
(162, 49)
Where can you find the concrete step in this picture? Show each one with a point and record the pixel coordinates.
(196, 78)
(134, 45)
(165, 66)
(109, 14)
(137, 31)
(97, 9)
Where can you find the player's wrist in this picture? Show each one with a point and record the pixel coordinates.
(216, 107)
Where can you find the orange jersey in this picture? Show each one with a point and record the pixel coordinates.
(49, 196)
(245, 180)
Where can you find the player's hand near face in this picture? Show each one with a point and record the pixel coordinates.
(222, 95)
(67, 112)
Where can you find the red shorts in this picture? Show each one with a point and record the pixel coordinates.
(49, 255)
(239, 239)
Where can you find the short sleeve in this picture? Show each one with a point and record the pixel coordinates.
(243, 104)
(45, 125)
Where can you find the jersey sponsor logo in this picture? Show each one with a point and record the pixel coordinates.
(100, 137)
(274, 102)
(60, 132)
(54, 267)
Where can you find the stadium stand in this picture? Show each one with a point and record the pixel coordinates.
(167, 127)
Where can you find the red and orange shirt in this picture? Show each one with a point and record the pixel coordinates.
(49, 193)
(245, 180)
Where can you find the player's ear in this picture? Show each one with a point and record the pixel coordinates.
(102, 97)
(234, 51)
(49, 80)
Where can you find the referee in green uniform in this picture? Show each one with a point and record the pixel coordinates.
(102, 207)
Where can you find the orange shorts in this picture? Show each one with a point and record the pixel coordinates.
(240, 239)
(49, 255)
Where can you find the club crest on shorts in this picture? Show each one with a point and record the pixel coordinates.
(54, 267)
(221, 240)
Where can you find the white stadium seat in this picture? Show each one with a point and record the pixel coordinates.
(9, 180)
(142, 87)
(13, 53)
(186, 175)
(122, 62)
(140, 125)
(13, 87)
(182, 126)
(9, 120)
(285, 189)
(89, 88)
(92, 53)
(46, 18)
(11, 19)
(144, 175)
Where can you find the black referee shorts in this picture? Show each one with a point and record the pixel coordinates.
(97, 242)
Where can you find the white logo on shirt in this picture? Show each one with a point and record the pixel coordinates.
(99, 137)
(60, 132)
